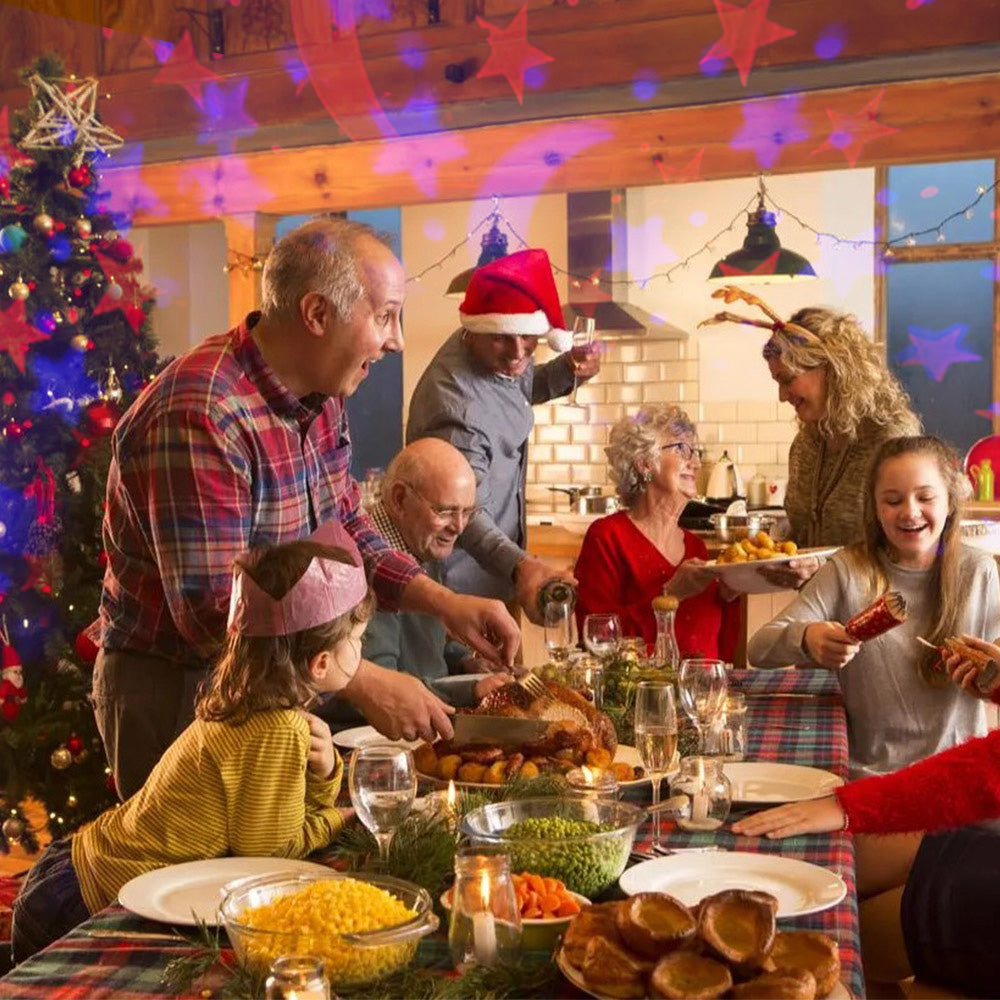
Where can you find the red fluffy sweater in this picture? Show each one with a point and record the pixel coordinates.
(953, 788)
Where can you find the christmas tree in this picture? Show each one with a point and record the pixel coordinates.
(75, 348)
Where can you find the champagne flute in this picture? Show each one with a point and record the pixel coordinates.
(583, 335)
(602, 634)
(655, 736)
(382, 780)
(703, 685)
(557, 620)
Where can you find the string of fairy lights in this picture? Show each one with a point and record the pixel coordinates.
(887, 246)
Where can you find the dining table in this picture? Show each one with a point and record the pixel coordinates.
(794, 716)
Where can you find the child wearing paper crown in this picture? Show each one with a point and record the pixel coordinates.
(254, 774)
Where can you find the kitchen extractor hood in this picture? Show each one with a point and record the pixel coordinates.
(597, 257)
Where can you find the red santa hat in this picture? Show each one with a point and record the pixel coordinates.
(516, 295)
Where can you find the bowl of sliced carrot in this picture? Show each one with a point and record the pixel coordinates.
(546, 906)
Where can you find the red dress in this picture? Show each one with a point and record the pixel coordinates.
(620, 570)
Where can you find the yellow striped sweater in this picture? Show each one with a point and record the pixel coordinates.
(218, 790)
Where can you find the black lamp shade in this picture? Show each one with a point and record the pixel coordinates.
(762, 259)
(494, 246)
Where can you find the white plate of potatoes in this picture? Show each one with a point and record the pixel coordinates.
(745, 576)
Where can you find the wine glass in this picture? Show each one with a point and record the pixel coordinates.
(382, 780)
(557, 620)
(583, 335)
(703, 685)
(655, 736)
(601, 634)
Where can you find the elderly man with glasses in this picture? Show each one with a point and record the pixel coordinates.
(428, 497)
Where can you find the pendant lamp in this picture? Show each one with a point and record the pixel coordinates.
(762, 259)
(494, 246)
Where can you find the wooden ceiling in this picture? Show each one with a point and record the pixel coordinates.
(314, 104)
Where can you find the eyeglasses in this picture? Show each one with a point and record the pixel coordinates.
(685, 450)
(443, 513)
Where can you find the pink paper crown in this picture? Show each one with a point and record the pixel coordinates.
(325, 591)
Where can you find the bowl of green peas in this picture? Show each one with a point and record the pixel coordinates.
(582, 842)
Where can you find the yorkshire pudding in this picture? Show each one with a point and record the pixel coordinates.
(785, 984)
(809, 950)
(612, 971)
(686, 975)
(654, 923)
(596, 921)
(738, 926)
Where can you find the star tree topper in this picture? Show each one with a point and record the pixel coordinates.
(69, 119)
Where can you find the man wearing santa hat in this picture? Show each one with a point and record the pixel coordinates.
(477, 393)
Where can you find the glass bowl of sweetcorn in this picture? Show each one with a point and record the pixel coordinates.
(363, 927)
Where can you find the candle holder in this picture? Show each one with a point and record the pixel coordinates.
(586, 676)
(727, 738)
(485, 926)
(708, 792)
(591, 783)
(443, 803)
(297, 977)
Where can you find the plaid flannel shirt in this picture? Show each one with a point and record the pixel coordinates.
(215, 457)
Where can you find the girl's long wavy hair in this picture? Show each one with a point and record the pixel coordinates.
(260, 673)
(859, 387)
(944, 575)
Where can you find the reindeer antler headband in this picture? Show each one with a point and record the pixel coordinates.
(731, 293)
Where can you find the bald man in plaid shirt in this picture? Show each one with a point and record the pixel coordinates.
(243, 441)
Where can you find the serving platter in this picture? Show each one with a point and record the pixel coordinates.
(746, 577)
(573, 974)
(623, 755)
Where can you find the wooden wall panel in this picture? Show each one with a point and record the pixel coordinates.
(27, 34)
(256, 26)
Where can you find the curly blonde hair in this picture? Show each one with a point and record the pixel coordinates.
(948, 601)
(260, 673)
(859, 386)
(634, 439)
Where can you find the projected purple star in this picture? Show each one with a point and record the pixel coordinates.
(936, 350)
(768, 126)
(225, 120)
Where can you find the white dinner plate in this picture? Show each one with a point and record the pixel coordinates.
(623, 755)
(572, 973)
(184, 894)
(351, 739)
(746, 578)
(765, 782)
(800, 887)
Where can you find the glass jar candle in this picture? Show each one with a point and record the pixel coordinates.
(708, 791)
(485, 926)
(297, 977)
(585, 675)
(727, 738)
(594, 783)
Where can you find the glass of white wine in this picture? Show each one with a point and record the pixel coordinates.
(583, 336)
(703, 686)
(382, 780)
(557, 619)
(655, 736)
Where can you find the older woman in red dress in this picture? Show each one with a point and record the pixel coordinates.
(630, 557)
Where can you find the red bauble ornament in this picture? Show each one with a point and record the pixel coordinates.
(102, 417)
(14, 431)
(74, 745)
(8, 398)
(102, 559)
(5, 187)
(79, 176)
(85, 648)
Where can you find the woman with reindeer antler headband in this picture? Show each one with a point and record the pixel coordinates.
(847, 403)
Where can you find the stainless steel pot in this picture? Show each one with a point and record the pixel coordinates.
(588, 499)
(735, 527)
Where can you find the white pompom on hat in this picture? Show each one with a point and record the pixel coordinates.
(516, 295)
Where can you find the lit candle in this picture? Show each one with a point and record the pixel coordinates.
(484, 929)
(699, 801)
(451, 802)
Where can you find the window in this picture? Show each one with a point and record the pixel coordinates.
(939, 294)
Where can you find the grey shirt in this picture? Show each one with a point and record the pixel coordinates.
(893, 716)
(488, 418)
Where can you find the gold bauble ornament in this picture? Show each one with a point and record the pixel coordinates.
(13, 828)
(83, 228)
(61, 759)
(44, 223)
(79, 343)
(71, 801)
(18, 290)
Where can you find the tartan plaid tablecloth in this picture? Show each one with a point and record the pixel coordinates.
(108, 957)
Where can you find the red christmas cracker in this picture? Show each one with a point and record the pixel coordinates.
(885, 613)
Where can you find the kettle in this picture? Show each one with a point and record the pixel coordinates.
(725, 481)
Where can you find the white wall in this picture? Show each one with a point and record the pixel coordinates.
(184, 265)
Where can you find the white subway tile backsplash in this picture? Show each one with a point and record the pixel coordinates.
(540, 453)
(642, 373)
(591, 393)
(661, 350)
(571, 414)
(625, 393)
(739, 433)
(605, 414)
(570, 452)
(756, 412)
(756, 454)
(782, 433)
(611, 371)
(593, 474)
(627, 353)
(553, 474)
(553, 434)
(659, 392)
(588, 434)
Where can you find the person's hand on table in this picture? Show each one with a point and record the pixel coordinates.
(964, 672)
(530, 575)
(829, 644)
(790, 575)
(483, 624)
(398, 705)
(322, 756)
(690, 578)
(815, 816)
